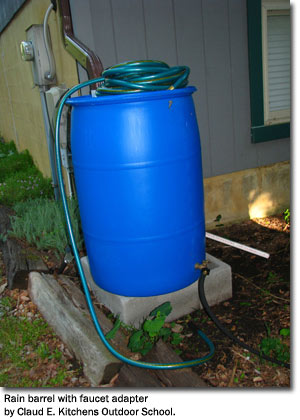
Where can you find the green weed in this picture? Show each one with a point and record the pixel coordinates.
(275, 347)
(287, 216)
(152, 330)
(218, 219)
(111, 334)
(245, 304)
(274, 278)
(43, 351)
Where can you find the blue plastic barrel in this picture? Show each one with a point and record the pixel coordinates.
(138, 175)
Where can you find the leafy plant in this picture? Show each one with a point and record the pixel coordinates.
(218, 219)
(275, 347)
(111, 334)
(152, 329)
(285, 332)
(41, 223)
(7, 148)
(287, 215)
(274, 278)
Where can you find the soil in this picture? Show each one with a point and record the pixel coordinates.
(259, 308)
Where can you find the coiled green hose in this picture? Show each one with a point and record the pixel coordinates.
(128, 77)
(142, 76)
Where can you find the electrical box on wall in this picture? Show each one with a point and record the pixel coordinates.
(34, 50)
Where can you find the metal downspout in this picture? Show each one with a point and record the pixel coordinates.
(86, 57)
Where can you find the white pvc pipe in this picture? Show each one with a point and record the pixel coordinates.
(237, 245)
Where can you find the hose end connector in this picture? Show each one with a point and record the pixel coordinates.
(203, 267)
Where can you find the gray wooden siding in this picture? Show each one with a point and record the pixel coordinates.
(210, 36)
(8, 8)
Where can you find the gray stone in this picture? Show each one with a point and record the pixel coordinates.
(133, 310)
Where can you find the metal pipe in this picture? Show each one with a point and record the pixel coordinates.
(51, 73)
(50, 143)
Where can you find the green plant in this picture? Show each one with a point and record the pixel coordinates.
(152, 329)
(287, 215)
(7, 148)
(245, 304)
(275, 347)
(43, 351)
(20, 180)
(14, 162)
(273, 278)
(218, 219)
(41, 223)
(111, 334)
(285, 332)
(23, 186)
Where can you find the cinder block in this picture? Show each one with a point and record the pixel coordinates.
(133, 310)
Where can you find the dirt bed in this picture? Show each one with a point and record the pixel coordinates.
(258, 310)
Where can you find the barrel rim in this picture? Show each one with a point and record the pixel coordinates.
(89, 100)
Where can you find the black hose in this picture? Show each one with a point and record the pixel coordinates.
(212, 316)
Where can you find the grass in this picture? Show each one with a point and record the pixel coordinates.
(14, 162)
(29, 356)
(20, 179)
(24, 349)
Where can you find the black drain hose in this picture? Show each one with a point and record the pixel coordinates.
(212, 316)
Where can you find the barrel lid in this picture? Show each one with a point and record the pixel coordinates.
(89, 100)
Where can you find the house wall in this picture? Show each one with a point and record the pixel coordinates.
(251, 193)
(210, 36)
(21, 118)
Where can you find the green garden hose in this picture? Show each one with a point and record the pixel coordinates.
(142, 76)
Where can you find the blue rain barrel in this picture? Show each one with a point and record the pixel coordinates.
(138, 175)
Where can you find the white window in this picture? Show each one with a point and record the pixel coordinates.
(276, 48)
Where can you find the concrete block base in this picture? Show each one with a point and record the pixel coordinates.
(133, 310)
